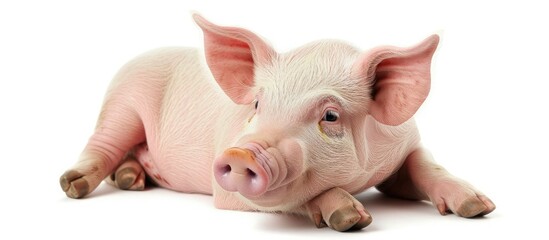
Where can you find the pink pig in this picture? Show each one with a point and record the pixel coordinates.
(296, 132)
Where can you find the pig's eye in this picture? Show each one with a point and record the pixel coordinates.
(256, 104)
(330, 116)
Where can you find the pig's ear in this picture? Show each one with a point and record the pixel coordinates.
(232, 54)
(400, 79)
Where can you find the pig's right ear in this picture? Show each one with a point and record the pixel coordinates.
(400, 79)
(232, 54)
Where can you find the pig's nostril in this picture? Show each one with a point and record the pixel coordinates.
(226, 170)
(251, 173)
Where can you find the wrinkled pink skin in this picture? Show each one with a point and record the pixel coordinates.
(191, 130)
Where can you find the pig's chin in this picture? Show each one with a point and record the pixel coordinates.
(284, 197)
(272, 199)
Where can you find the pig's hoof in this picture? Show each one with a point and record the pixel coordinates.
(339, 210)
(129, 175)
(475, 206)
(73, 184)
(130, 178)
(461, 199)
(349, 218)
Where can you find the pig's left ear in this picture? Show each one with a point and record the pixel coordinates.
(232, 54)
(400, 79)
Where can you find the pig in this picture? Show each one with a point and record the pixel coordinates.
(297, 132)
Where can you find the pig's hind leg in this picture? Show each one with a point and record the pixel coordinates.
(129, 175)
(420, 178)
(119, 129)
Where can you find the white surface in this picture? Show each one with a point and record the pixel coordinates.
(485, 120)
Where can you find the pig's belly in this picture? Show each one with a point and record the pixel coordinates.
(176, 170)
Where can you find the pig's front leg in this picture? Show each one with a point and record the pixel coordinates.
(339, 210)
(421, 179)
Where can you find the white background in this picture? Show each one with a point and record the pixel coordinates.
(485, 119)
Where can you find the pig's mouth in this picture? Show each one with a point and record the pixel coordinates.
(257, 173)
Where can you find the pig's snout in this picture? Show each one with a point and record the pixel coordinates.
(237, 170)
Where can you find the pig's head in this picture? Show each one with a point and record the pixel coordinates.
(304, 130)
